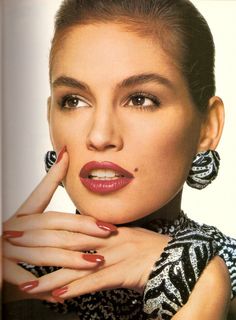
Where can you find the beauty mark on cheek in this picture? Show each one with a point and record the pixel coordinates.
(136, 170)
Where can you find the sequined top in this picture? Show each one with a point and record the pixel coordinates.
(125, 304)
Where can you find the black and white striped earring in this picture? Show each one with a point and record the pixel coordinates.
(49, 160)
(204, 169)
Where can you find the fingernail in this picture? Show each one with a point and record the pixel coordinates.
(59, 292)
(60, 154)
(106, 226)
(93, 257)
(12, 234)
(27, 286)
(56, 300)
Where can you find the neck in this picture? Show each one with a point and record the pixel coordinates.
(168, 212)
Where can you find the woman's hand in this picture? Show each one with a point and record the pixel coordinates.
(129, 256)
(209, 300)
(50, 238)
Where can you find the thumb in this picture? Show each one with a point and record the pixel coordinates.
(59, 169)
(41, 196)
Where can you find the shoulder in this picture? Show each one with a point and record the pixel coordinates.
(211, 294)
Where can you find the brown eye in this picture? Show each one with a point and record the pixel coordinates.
(143, 101)
(73, 102)
(138, 100)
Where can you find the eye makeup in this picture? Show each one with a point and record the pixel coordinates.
(73, 101)
(137, 100)
(143, 101)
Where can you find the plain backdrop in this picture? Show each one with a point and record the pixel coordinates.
(27, 31)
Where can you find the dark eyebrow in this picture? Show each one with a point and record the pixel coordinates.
(145, 78)
(128, 82)
(64, 81)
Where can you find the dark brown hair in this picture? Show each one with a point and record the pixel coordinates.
(182, 30)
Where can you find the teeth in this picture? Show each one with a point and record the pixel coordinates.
(103, 174)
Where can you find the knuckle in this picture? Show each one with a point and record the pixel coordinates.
(69, 240)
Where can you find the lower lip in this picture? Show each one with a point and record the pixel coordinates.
(105, 186)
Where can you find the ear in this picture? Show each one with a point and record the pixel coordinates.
(48, 109)
(212, 125)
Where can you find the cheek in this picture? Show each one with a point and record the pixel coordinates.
(163, 157)
(64, 131)
(167, 150)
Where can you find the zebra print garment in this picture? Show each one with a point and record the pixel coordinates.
(124, 304)
(176, 272)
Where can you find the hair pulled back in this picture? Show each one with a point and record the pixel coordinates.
(182, 30)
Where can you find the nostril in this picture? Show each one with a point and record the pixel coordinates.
(111, 146)
(102, 145)
(104, 140)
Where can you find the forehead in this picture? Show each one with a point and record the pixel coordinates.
(108, 50)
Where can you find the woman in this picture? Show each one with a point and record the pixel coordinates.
(110, 61)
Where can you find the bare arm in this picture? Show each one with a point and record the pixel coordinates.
(211, 296)
(232, 310)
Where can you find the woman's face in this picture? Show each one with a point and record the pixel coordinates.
(119, 99)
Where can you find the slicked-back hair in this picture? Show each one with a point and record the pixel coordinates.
(176, 24)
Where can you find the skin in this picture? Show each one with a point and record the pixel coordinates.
(214, 281)
(107, 127)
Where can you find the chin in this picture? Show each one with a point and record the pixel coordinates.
(115, 212)
(118, 207)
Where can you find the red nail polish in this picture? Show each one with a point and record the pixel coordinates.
(60, 154)
(106, 226)
(59, 292)
(93, 257)
(27, 286)
(58, 299)
(12, 234)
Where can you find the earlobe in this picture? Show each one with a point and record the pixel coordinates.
(48, 108)
(212, 125)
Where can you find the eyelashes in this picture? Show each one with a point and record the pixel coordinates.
(73, 101)
(143, 101)
(137, 100)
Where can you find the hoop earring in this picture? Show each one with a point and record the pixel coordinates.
(49, 160)
(204, 169)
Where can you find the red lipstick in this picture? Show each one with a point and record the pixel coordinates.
(104, 177)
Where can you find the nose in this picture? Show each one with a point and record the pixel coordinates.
(105, 132)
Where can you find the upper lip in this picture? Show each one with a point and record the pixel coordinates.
(92, 165)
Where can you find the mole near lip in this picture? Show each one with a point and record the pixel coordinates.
(93, 165)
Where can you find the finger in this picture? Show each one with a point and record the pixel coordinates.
(41, 196)
(58, 239)
(103, 279)
(15, 274)
(52, 256)
(60, 221)
(57, 279)
(64, 276)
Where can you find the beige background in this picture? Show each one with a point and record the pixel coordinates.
(27, 30)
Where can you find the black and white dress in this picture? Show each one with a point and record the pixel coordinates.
(125, 304)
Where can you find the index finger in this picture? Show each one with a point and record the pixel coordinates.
(41, 196)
